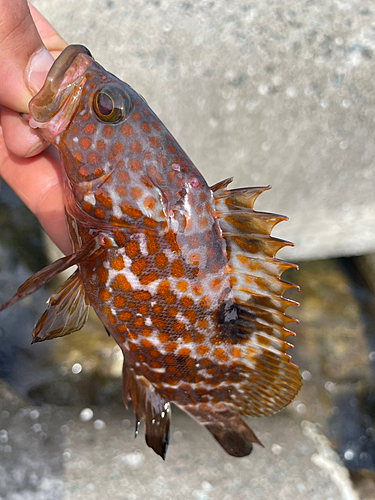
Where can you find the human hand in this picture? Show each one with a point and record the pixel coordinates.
(27, 41)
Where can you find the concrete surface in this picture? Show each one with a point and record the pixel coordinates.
(52, 453)
(271, 92)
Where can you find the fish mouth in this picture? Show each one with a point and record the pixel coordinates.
(54, 105)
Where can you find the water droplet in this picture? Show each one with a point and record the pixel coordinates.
(206, 486)
(76, 368)
(263, 89)
(86, 414)
(291, 92)
(306, 375)
(34, 414)
(99, 424)
(372, 356)
(301, 408)
(349, 454)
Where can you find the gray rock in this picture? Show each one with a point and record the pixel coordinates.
(276, 93)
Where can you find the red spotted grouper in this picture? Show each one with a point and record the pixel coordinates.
(182, 275)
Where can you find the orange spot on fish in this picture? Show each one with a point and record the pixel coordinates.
(178, 326)
(220, 355)
(199, 338)
(135, 147)
(171, 347)
(83, 172)
(202, 222)
(85, 117)
(194, 259)
(156, 126)
(136, 116)
(170, 148)
(100, 145)
(186, 338)
(102, 197)
(93, 158)
(151, 223)
(134, 165)
(89, 128)
(138, 266)
(146, 332)
(124, 315)
(121, 328)
(215, 284)
(132, 212)
(138, 322)
(123, 177)
(149, 202)
(145, 127)
(107, 131)
(164, 337)
(163, 288)
(127, 130)
(160, 261)
(191, 316)
(182, 286)
(87, 207)
(146, 279)
(143, 309)
(98, 213)
(135, 193)
(186, 301)
(154, 142)
(203, 324)
(141, 295)
(117, 263)
(121, 282)
(117, 148)
(119, 301)
(205, 302)
(184, 351)
(170, 237)
(119, 238)
(158, 322)
(152, 245)
(197, 288)
(121, 191)
(104, 295)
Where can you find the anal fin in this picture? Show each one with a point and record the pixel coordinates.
(148, 406)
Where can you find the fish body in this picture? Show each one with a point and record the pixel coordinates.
(182, 275)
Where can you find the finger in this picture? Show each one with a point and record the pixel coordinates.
(19, 138)
(37, 181)
(24, 60)
(51, 39)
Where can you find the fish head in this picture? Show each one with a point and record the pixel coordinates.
(80, 104)
(110, 139)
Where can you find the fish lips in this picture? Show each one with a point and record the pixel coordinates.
(53, 107)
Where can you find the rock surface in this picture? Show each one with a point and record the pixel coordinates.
(269, 92)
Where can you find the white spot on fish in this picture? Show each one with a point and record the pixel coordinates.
(90, 198)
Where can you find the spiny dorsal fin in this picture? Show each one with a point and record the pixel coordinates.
(270, 380)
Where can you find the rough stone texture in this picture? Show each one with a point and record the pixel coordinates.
(271, 92)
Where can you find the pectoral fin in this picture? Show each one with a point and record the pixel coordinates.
(67, 311)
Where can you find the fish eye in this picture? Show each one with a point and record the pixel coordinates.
(112, 104)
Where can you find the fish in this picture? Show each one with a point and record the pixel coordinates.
(183, 276)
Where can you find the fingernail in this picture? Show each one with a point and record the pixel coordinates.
(36, 149)
(37, 69)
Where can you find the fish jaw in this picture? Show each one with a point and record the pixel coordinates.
(52, 109)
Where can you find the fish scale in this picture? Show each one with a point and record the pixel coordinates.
(182, 275)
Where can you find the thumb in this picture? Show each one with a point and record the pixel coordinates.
(24, 60)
